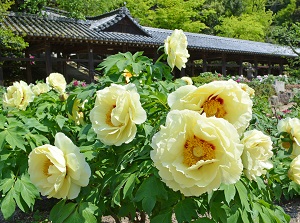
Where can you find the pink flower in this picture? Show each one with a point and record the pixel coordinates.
(219, 75)
(31, 57)
(286, 111)
(83, 84)
(75, 83)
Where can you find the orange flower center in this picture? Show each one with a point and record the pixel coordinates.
(214, 107)
(196, 149)
(108, 116)
(47, 163)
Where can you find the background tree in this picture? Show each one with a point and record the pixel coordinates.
(9, 43)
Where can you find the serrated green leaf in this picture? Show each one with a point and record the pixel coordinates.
(129, 185)
(6, 184)
(217, 213)
(234, 218)
(185, 210)
(15, 139)
(60, 121)
(2, 121)
(2, 139)
(151, 189)
(229, 192)
(87, 210)
(204, 220)
(27, 190)
(8, 205)
(61, 211)
(34, 123)
(39, 139)
(244, 216)
(243, 195)
(75, 217)
(165, 218)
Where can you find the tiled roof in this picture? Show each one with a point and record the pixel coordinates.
(55, 25)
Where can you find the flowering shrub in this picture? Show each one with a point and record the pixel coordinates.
(144, 143)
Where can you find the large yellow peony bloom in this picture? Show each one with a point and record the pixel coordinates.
(222, 99)
(19, 95)
(57, 81)
(292, 127)
(59, 171)
(256, 154)
(294, 171)
(195, 154)
(176, 48)
(115, 115)
(77, 115)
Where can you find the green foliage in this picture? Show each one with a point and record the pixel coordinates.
(252, 26)
(124, 180)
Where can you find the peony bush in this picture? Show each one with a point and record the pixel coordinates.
(140, 143)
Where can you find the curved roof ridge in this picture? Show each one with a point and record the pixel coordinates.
(106, 20)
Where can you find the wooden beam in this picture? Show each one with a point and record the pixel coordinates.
(28, 68)
(48, 59)
(224, 64)
(91, 64)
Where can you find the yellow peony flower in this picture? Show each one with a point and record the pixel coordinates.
(256, 154)
(294, 171)
(176, 48)
(57, 81)
(40, 88)
(115, 115)
(19, 95)
(195, 154)
(77, 115)
(59, 171)
(292, 127)
(222, 99)
(188, 80)
(247, 89)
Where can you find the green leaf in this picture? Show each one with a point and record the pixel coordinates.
(151, 189)
(229, 192)
(27, 190)
(217, 213)
(75, 217)
(163, 218)
(129, 185)
(204, 220)
(34, 123)
(243, 195)
(185, 210)
(8, 205)
(87, 210)
(60, 212)
(14, 138)
(6, 184)
(60, 120)
(234, 217)
(2, 139)
(2, 121)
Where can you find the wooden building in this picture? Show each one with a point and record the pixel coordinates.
(55, 40)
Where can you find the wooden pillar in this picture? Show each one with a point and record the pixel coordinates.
(281, 68)
(28, 68)
(224, 65)
(91, 64)
(48, 59)
(255, 67)
(241, 68)
(64, 67)
(269, 67)
(192, 68)
(204, 64)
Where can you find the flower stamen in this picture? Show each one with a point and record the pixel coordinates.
(108, 116)
(214, 107)
(196, 149)
(46, 166)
